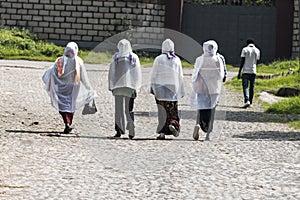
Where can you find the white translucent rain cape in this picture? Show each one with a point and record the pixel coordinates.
(207, 78)
(67, 82)
(125, 69)
(166, 78)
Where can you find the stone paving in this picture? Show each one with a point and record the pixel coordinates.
(252, 155)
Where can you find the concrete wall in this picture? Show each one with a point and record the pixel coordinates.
(296, 32)
(87, 22)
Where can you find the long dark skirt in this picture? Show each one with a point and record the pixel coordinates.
(167, 115)
(206, 118)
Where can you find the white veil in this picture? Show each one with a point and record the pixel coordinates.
(207, 77)
(67, 82)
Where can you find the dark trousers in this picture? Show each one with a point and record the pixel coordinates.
(119, 113)
(167, 115)
(248, 81)
(67, 117)
(206, 118)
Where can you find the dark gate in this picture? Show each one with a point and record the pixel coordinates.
(230, 26)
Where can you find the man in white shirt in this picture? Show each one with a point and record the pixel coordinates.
(249, 57)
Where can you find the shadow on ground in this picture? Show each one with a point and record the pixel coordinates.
(270, 135)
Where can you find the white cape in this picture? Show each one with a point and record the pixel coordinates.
(66, 93)
(166, 79)
(125, 72)
(207, 82)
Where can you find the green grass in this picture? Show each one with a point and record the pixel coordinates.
(286, 106)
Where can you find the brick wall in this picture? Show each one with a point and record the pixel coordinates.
(296, 39)
(85, 21)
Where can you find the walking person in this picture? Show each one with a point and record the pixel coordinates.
(166, 84)
(68, 85)
(125, 79)
(249, 57)
(207, 84)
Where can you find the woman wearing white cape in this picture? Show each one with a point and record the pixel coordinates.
(166, 84)
(125, 79)
(67, 84)
(207, 84)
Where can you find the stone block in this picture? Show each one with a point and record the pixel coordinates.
(44, 24)
(76, 37)
(93, 32)
(54, 13)
(55, 1)
(77, 26)
(109, 15)
(37, 18)
(32, 23)
(120, 4)
(49, 30)
(87, 14)
(87, 38)
(28, 6)
(11, 11)
(115, 9)
(98, 15)
(86, 2)
(98, 27)
(109, 4)
(11, 22)
(82, 8)
(65, 25)
(87, 26)
(98, 3)
(70, 8)
(54, 24)
(93, 21)
(59, 19)
(92, 8)
(54, 36)
(81, 32)
(70, 19)
(38, 6)
(60, 7)
(70, 31)
(103, 9)
(81, 20)
(44, 12)
(27, 17)
(65, 37)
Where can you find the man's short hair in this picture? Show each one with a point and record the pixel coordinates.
(250, 41)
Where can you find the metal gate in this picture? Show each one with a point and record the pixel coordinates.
(230, 26)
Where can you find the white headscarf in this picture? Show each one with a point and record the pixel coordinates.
(124, 48)
(167, 46)
(210, 48)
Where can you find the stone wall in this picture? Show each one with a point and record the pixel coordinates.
(85, 21)
(296, 32)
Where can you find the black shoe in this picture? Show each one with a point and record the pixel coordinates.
(131, 137)
(118, 134)
(207, 138)
(161, 136)
(68, 129)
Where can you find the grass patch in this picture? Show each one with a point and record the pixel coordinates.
(286, 106)
(295, 124)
